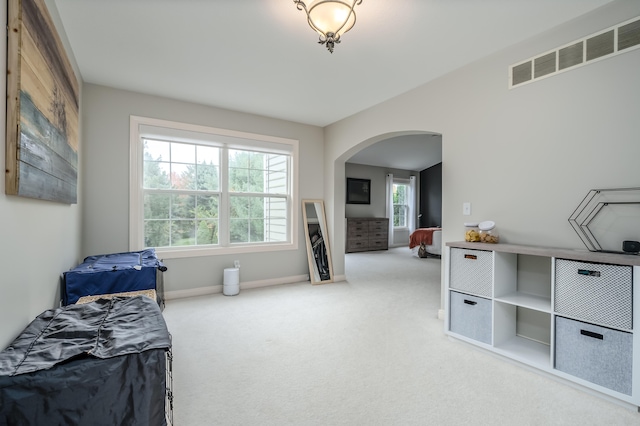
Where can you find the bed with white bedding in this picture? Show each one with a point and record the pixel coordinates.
(430, 238)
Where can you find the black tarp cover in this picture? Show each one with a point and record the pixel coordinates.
(100, 363)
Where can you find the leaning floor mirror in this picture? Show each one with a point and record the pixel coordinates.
(316, 236)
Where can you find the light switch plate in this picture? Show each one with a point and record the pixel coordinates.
(466, 208)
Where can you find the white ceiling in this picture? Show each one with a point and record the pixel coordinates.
(410, 152)
(261, 57)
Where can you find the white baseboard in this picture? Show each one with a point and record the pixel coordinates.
(203, 291)
(192, 292)
(274, 281)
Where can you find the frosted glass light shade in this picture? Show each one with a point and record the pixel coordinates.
(335, 17)
(329, 18)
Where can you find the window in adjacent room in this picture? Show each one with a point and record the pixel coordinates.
(401, 207)
(197, 190)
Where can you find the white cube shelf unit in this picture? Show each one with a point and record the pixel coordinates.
(569, 313)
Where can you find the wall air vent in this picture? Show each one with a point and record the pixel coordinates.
(600, 45)
(571, 55)
(629, 35)
(621, 38)
(545, 64)
(521, 73)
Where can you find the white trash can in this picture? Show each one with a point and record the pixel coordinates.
(231, 283)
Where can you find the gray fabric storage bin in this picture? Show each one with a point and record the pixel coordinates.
(594, 292)
(597, 354)
(470, 316)
(471, 271)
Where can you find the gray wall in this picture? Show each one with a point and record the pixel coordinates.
(378, 184)
(106, 181)
(543, 145)
(38, 239)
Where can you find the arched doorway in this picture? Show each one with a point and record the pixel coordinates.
(386, 145)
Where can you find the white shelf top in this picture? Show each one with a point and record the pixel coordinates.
(525, 300)
(583, 255)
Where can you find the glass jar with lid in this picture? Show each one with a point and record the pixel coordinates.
(488, 232)
(472, 232)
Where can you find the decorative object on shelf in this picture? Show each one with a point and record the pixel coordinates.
(358, 191)
(631, 247)
(329, 18)
(607, 218)
(472, 232)
(42, 108)
(488, 232)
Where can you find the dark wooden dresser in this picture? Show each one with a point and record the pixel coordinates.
(367, 233)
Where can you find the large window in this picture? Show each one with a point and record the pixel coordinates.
(198, 189)
(400, 205)
(181, 194)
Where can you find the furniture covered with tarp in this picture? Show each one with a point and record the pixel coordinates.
(114, 273)
(107, 362)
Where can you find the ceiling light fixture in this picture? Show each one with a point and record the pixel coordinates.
(329, 18)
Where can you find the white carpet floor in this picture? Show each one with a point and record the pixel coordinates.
(369, 351)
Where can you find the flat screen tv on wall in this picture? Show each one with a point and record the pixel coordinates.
(358, 191)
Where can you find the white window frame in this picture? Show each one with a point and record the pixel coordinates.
(407, 183)
(144, 127)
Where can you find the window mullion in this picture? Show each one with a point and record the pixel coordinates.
(223, 208)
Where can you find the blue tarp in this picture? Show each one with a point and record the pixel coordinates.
(112, 273)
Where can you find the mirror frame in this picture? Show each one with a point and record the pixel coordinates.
(314, 275)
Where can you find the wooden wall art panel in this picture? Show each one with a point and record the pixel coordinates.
(42, 108)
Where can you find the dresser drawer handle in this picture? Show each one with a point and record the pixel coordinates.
(588, 273)
(592, 334)
(471, 256)
(470, 302)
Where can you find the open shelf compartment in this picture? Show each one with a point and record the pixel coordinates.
(523, 280)
(523, 334)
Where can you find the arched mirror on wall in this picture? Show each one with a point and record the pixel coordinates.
(316, 236)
